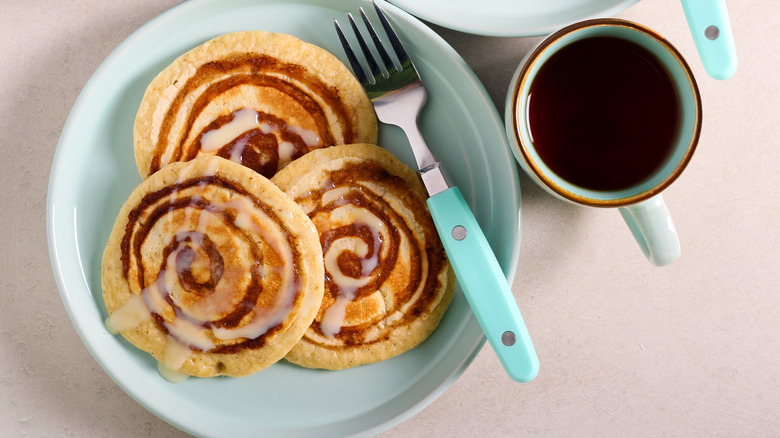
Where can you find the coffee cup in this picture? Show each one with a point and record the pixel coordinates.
(607, 113)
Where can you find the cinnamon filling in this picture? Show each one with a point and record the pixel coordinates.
(262, 154)
(215, 288)
(376, 248)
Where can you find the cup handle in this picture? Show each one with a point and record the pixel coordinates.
(653, 229)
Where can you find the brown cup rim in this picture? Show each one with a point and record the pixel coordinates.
(541, 175)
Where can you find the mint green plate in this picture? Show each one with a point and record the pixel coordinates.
(94, 172)
(510, 18)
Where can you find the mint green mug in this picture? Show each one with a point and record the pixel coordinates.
(607, 113)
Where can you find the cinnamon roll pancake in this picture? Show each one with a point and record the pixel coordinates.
(212, 270)
(258, 98)
(387, 277)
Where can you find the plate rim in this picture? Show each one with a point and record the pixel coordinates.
(58, 171)
(479, 24)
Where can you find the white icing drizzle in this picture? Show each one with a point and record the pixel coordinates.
(243, 120)
(378, 227)
(345, 282)
(310, 138)
(337, 195)
(267, 128)
(211, 170)
(244, 213)
(176, 354)
(173, 376)
(286, 151)
(246, 119)
(238, 149)
(132, 314)
(334, 316)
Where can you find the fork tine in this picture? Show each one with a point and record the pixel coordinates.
(353, 61)
(380, 47)
(372, 65)
(400, 52)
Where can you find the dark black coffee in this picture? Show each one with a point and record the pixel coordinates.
(603, 113)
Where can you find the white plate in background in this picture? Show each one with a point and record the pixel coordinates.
(510, 18)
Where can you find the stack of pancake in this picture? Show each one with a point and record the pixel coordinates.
(269, 224)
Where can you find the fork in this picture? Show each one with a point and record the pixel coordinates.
(398, 96)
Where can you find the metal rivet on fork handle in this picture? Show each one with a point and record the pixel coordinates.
(508, 338)
(712, 32)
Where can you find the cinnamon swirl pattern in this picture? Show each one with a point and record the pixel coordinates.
(258, 98)
(212, 270)
(387, 278)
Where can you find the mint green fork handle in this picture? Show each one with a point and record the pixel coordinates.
(711, 30)
(484, 284)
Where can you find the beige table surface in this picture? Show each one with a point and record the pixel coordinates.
(626, 349)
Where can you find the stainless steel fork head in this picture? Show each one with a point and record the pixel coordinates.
(395, 90)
